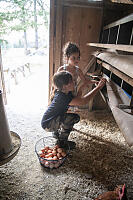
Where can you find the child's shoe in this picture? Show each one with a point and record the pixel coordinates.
(68, 145)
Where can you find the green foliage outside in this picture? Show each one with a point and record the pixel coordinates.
(19, 15)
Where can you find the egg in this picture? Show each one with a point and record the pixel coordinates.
(50, 155)
(55, 158)
(40, 152)
(46, 156)
(42, 155)
(46, 164)
(49, 151)
(49, 158)
(46, 148)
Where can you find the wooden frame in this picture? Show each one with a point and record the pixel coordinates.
(119, 22)
(116, 71)
(120, 47)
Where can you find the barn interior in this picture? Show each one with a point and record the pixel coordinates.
(103, 157)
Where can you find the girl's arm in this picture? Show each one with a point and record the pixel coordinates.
(82, 100)
(84, 79)
(81, 75)
(60, 69)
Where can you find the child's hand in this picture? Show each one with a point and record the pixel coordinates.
(101, 83)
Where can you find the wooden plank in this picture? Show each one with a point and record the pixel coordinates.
(71, 26)
(51, 43)
(87, 27)
(122, 63)
(83, 4)
(122, 1)
(121, 21)
(91, 20)
(117, 72)
(58, 35)
(123, 118)
(89, 65)
(120, 47)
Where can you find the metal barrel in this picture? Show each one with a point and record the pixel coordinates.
(5, 136)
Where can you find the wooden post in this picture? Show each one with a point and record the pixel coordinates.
(51, 43)
(58, 35)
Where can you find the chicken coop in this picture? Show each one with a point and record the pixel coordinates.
(103, 157)
(104, 32)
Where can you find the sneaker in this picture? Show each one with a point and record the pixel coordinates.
(55, 134)
(68, 145)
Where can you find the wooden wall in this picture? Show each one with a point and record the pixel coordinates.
(76, 24)
(81, 25)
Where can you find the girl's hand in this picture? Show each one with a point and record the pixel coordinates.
(94, 82)
(101, 83)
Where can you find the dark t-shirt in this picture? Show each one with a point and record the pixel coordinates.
(58, 107)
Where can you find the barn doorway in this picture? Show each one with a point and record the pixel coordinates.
(25, 63)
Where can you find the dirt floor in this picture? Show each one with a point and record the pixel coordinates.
(101, 160)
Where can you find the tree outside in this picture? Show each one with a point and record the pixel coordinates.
(24, 39)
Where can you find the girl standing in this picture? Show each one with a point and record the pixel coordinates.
(72, 56)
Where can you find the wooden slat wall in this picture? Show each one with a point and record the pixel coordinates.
(82, 25)
(76, 24)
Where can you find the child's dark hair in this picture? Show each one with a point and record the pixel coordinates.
(61, 78)
(69, 49)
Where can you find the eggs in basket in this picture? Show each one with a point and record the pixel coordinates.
(50, 155)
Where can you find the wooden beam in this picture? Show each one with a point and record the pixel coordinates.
(58, 35)
(122, 63)
(117, 72)
(51, 44)
(121, 21)
(122, 1)
(120, 47)
(83, 4)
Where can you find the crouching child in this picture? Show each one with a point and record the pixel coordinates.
(56, 119)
